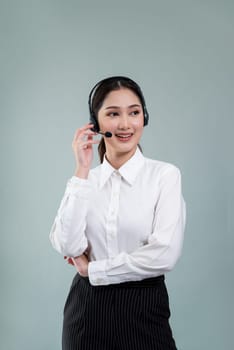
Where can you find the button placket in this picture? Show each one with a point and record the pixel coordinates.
(112, 217)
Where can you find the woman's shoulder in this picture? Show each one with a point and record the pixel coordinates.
(160, 165)
(161, 172)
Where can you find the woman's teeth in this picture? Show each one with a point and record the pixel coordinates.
(125, 136)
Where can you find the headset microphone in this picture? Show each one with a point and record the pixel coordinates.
(107, 133)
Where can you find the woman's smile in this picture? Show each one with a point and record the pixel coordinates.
(124, 137)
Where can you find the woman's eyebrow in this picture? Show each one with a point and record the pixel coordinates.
(135, 105)
(117, 107)
(109, 107)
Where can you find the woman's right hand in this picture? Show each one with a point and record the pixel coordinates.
(82, 146)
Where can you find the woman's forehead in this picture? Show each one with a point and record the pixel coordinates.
(123, 97)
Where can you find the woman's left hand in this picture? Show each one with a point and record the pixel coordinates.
(81, 264)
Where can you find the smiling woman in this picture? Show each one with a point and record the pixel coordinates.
(121, 224)
(122, 115)
(100, 92)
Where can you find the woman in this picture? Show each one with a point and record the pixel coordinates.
(121, 224)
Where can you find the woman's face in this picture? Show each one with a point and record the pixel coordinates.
(121, 114)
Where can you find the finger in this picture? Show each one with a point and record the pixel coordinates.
(88, 126)
(90, 137)
(81, 133)
(70, 261)
(88, 144)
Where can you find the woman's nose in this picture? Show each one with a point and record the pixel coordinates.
(124, 122)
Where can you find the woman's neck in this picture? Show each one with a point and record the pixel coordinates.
(118, 159)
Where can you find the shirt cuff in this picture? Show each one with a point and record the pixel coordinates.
(97, 273)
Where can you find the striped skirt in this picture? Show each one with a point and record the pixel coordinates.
(131, 315)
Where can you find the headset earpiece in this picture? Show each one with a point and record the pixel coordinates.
(146, 114)
(94, 121)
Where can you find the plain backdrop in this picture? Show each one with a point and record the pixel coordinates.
(52, 53)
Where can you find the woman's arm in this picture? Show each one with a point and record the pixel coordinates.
(68, 231)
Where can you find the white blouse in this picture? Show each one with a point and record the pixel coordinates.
(129, 221)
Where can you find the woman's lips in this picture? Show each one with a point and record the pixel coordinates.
(124, 137)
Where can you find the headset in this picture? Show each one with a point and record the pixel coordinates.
(136, 87)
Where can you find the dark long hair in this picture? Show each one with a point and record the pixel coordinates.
(98, 95)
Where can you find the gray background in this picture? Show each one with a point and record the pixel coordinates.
(52, 53)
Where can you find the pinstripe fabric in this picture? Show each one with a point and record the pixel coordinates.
(132, 315)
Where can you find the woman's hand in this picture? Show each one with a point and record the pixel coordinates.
(82, 146)
(81, 264)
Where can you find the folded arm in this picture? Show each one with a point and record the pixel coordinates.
(164, 244)
(68, 231)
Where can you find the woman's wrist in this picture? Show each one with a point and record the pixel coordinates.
(82, 173)
(81, 264)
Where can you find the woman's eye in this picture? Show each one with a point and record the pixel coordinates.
(112, 114)
(135, 112)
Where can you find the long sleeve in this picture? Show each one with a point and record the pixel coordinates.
(68, 231)
(163, 248)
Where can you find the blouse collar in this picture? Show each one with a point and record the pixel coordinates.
(128, 170)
